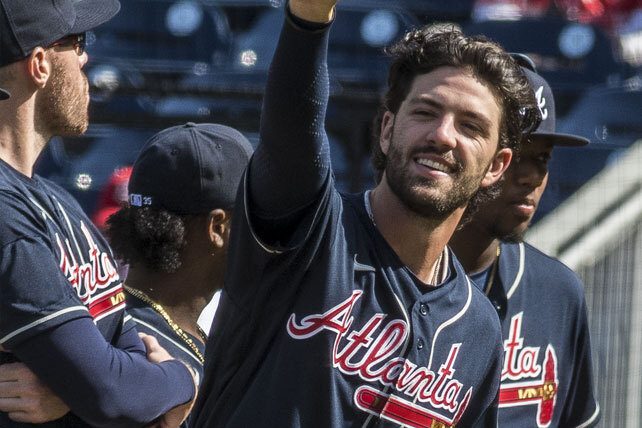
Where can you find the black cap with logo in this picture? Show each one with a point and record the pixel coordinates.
(546, 105)
(190, 169)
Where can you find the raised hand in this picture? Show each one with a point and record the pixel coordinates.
(313, 10)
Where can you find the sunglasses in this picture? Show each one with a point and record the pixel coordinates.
(77, 41)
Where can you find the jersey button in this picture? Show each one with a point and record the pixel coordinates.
(423, 309)
(420, 344)
(497, 306)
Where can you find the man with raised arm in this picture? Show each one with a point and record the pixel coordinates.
(349, 310)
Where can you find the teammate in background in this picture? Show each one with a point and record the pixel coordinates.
(174, 232)
(547, 376)
(112, 197)
(349, 310)
(62, 302)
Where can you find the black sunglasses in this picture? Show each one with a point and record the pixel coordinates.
(77, 41)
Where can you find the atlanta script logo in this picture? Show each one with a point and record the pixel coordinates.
(405, 384)
(91, 274)
(521, 362)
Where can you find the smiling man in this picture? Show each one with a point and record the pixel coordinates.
(546, 379)
(349, 310)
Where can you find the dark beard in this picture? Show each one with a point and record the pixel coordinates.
(62, 105)
(511, 236)
(432, 207)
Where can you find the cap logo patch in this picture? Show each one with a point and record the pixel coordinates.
(137, 200)
(541, 102)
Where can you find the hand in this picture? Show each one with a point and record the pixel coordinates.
(313, 10)
(174, 417)
(25, 398)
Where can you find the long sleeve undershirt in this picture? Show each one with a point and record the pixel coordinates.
(105, 385)
(292, 160)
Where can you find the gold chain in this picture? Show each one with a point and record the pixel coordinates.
(179, 331)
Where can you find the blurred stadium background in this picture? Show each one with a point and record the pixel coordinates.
(164, 62)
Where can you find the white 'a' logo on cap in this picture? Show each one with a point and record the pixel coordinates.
(541, 102)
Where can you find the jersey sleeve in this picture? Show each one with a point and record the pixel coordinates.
(582, 408)
(34, 294)
(103, 385)
(292, 162)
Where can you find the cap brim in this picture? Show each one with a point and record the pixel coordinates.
(4, 94)
(556, 139)
(92, 13)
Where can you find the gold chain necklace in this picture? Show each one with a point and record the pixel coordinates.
(179, 331)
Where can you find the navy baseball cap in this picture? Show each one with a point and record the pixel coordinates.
(190, 169)
(3, 94)
(546, 104)
(27, 24)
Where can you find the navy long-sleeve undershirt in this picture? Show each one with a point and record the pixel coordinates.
(292, 160)
(105, 385)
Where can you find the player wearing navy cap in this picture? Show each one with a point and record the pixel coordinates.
(174, 232)
(547, 376)
(61, 299)
(348, 310)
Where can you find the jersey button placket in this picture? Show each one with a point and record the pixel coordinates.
(420, 344)
(423, 309)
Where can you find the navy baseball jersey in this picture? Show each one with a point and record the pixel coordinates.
(320, 324)
(547, 376)
(55, 266)
(60, 290)
(188, 349)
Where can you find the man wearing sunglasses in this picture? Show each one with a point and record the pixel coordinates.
(61, 299)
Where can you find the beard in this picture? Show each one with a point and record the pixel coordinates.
(63, 103)
(426, 197)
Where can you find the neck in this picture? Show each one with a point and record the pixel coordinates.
(418, 241)
(183, 294)
(20, 141)
(475, 247)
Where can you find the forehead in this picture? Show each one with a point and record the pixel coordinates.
(534, 146)
(458, 89)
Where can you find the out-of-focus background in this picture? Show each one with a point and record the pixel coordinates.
(164, 62)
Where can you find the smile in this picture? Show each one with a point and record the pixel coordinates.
(433, 165)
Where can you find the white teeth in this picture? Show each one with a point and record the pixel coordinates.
(432, 164)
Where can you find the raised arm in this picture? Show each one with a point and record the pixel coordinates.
(292, 161)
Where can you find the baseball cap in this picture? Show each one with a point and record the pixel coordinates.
(3, 94)
(190, 169)
(25, 25)
(546, 105)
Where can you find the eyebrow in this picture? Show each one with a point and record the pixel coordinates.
(484, 121)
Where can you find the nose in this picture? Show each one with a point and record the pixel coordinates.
(530, 174)
(83, 59)
(442, 134)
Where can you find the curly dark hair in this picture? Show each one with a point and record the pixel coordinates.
(148, 236)
(444, 45)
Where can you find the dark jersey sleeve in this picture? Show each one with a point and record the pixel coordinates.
(292, 161)
(103, 385)
(581, 408)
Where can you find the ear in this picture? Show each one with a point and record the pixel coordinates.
(39, 67)
(217, 225)
(498, 165)
(385, 136)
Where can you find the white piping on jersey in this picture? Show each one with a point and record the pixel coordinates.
(451, 321)
(71, 231)
(361, 267)
(403, 349)
(160, 333)
(520, 272)
(113, 310)
(43, 211)
(265, 247)
(42, 320)
(592, 418)
(127, 318)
